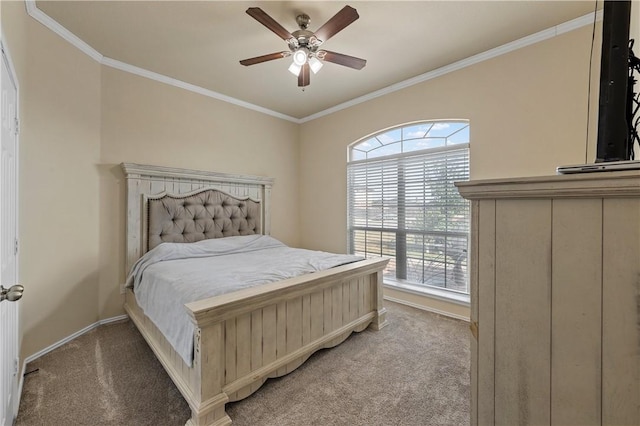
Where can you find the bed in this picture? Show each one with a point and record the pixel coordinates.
(242, 338)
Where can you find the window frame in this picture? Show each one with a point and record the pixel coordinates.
(440, 292)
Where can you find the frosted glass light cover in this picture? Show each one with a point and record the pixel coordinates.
(294, 69)
(315, 64)
(300, 56)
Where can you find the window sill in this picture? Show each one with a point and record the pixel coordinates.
(446, 296)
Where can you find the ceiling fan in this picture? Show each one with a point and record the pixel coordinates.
(304, 45)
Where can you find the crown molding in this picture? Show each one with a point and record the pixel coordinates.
(47, 21)
(122, 66)
(53, 25)
(472, 60)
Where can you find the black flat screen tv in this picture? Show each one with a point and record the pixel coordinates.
(613, 142)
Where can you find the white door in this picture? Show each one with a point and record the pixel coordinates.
(9, 340)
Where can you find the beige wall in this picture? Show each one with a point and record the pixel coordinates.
(79, 120)
(59, 152)
(147, 122)
(527, 111)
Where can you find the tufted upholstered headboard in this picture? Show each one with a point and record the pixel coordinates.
(190, 205)
(202, 215)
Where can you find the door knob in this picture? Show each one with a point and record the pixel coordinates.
(12, 293)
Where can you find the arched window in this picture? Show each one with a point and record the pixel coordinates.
(402, 203)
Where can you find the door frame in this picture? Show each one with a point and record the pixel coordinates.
(6, 55)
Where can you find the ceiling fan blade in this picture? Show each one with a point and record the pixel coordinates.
(341, 59)
(266, 20)
(264, 58)
(304, 76)
(336, 24)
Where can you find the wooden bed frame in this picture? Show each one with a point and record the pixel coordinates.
(245, 337)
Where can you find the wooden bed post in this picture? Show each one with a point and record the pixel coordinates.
(380, 320)
(209, 363)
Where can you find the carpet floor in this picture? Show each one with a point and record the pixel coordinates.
(413, 372)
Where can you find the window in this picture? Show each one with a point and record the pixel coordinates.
(402, 203)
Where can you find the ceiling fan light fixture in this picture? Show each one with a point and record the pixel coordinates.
(304, 45)
(300, 56)
(295, 69)
(315, 64)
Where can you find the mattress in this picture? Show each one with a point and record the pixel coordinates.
(173, 274)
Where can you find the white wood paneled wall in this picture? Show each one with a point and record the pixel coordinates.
(555, 293)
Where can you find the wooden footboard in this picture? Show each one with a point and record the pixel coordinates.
(246, 337)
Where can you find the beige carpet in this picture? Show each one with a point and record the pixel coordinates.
(413, 372)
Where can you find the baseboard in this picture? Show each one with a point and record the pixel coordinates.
(56, 345)
(69, 338)
(426, 308)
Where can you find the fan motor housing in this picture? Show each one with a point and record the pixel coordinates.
(304, 38)
(303, 21)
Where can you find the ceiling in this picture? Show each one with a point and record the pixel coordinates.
(202, 42)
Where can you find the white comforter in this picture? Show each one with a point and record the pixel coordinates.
(172, 274)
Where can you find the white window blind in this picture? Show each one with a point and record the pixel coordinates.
(406, 207)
